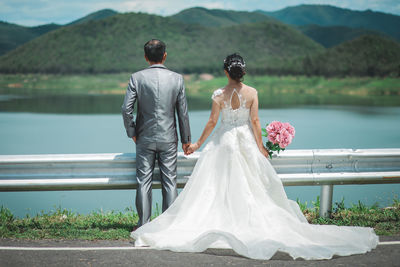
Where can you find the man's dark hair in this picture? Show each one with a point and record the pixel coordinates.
(154, 50)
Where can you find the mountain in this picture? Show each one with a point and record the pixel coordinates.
(115, 44)
(330, 36)
(326, 15)
(300, 16)
(368, 55)
(218, 17)
(197, 41)
(101, 14)
(13, 35)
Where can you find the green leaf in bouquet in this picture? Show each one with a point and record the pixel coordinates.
(265, 133)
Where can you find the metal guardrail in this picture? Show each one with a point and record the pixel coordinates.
(324, 167)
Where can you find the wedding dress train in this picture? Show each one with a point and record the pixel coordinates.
(234, 199)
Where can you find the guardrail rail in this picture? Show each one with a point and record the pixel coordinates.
(323, 167)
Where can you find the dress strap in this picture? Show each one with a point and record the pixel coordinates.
(216, 93)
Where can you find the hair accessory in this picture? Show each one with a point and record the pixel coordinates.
(236, 63)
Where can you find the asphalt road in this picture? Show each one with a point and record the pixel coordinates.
(14, 252)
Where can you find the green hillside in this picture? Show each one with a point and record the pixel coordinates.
(197, 41)
(330, 36)
(368, 55)
(98, 15)
(115, 44)
(218, 17)
(326, 15)
(13, 35)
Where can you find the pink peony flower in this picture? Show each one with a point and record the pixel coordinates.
(289, 127)
(272, 137)
(279, 135)
(285, 138)
(273, 130)
(274, 126)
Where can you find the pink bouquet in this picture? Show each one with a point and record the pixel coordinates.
(279, 134)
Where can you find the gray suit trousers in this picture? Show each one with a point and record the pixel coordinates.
(146, 154)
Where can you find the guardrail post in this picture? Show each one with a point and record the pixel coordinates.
(325, 208)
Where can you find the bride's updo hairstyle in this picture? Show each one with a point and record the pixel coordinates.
(234, 65)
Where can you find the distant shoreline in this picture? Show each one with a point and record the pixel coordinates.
(273, 91)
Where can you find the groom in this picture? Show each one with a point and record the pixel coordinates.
(159, 92)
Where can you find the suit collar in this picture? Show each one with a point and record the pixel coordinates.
(161, 66)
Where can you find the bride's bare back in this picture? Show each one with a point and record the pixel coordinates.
(242, 96)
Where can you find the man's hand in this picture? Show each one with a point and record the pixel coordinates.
(134, 139)
(185, 148)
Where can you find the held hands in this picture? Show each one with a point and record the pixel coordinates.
(193, 147)
(185, 148)
(189, 148)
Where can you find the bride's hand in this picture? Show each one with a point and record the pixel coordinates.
(265, 152)
(192, 148)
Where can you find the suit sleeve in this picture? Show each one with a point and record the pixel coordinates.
(183, 116)
(127, 108)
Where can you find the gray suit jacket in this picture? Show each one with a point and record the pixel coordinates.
(158, 92)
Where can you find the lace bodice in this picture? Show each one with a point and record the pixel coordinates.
(229, 115)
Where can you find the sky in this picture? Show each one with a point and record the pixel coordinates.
(38, 12)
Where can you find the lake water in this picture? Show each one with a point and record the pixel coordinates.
(316, 127)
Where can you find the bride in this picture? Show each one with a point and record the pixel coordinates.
(234, 198)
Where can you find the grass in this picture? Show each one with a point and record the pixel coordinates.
(37, 84)
(273, 91)
(63, 224)
(385, 221)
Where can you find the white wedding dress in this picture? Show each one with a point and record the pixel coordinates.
(234, 199)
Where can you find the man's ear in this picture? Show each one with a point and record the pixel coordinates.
(164, 57)
(145, 57)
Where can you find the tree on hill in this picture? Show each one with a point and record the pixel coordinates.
(368, 55)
